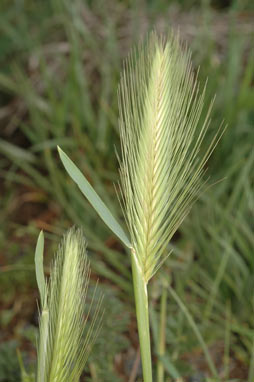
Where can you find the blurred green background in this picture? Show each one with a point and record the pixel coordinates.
(60, 64)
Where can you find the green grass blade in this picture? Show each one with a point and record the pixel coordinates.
(25, 377)
(93, 198)
(168, 365)
(40, 278)
(11, 151)
(197, 332)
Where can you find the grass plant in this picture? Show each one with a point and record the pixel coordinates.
(161, 171)
(161, 168)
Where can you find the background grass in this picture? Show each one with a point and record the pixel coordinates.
(60, 64)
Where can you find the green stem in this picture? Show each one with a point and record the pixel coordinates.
(162, 334)
(42, 353)
(141, 300)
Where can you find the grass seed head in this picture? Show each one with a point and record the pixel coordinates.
(66, 336)
(161, 170)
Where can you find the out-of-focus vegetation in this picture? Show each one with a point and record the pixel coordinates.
(60, 64)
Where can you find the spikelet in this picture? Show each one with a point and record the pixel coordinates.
(160, 111)
(66, 336)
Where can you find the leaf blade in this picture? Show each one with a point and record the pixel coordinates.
(93, 198)
(40, 278)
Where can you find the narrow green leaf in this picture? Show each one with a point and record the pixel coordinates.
(196, 330)
(11, 151)
(93, 198)
(169, 366)
(39, 265)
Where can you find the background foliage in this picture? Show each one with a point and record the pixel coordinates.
(60, 64)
